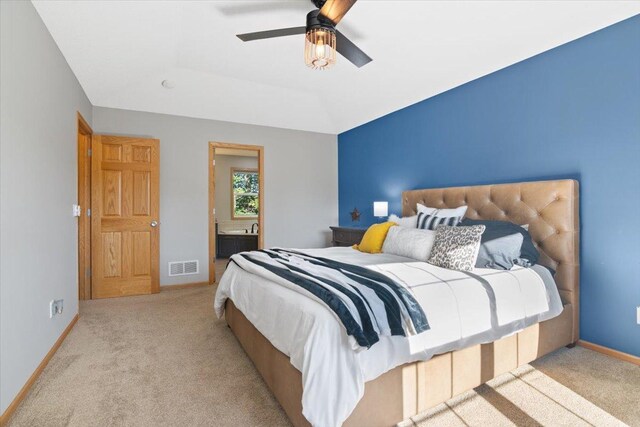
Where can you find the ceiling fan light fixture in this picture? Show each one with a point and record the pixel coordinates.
(320, 48)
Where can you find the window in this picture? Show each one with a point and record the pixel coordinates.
(244, 193)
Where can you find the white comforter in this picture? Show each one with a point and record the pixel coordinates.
(461, 311)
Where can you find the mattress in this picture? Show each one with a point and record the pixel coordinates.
(462, 308)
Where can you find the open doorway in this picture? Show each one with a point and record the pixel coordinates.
(236, 201)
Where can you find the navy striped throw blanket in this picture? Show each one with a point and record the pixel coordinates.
(368, 303)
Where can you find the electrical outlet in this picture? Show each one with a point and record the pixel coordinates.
(638, 315)
(55, 307)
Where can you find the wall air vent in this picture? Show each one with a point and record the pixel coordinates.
(183, 268)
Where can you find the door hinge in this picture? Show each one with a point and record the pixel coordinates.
(214, 211)
(214, 162)
(89, 212)
(89, 152)
(88, 272)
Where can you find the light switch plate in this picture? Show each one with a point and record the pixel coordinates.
(638, 315)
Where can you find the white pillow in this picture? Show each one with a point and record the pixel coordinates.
(406, 221)
(409, 242)
(459, 211)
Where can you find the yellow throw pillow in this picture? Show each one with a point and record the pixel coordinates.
(374, 238)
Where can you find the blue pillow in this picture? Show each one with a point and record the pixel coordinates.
(497, 251)
(500, 253)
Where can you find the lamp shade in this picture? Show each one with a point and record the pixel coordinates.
(380, 209)
(320, 48)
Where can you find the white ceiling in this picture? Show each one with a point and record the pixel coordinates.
(121, 51)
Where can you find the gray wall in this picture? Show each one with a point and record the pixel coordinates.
(224, 164)
(301, 181)
(38, 245)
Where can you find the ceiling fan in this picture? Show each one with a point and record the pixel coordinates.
(322, 39)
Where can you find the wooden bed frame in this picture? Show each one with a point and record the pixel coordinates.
(551, 208)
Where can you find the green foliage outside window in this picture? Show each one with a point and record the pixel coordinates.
(245, 187)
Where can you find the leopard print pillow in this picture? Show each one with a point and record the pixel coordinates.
(456, 248)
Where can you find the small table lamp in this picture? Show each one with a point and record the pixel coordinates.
(380, 209)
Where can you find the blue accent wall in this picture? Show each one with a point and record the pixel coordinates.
(571, 112)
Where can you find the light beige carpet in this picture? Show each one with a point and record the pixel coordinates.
(165, 360)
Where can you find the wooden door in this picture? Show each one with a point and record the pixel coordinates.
(84, 200)
(125, 219)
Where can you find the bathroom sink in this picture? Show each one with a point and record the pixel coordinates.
(240, 232)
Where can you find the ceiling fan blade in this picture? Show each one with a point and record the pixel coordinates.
(247, 37)
(346, 48)
(334, 10)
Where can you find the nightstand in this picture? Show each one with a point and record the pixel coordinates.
(346, 236)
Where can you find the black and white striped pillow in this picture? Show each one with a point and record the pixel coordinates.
(432, 220)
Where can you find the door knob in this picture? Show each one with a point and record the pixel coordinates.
(154, 223)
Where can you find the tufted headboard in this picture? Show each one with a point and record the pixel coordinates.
(549, 207)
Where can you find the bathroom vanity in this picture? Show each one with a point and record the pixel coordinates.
(229, 242)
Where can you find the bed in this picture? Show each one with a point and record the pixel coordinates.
(389, 383)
